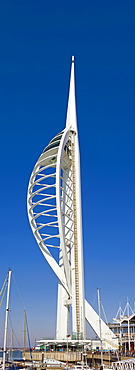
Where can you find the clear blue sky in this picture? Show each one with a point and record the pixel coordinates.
(37, 39)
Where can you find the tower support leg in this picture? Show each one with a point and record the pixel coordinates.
(62, 328)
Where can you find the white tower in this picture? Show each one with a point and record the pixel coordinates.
(54, 210)
(71, 224)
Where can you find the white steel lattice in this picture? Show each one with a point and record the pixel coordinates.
(50, 200)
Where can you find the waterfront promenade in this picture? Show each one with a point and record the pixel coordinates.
(91, 357)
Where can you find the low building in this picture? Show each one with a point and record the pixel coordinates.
(124, 329)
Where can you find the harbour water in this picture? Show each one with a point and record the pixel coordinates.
(13, 354)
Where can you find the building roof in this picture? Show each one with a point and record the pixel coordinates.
(125, 318)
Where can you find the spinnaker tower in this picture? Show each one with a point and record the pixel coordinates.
(55, 215)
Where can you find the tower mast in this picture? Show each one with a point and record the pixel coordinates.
(78, 309)
(75, 225)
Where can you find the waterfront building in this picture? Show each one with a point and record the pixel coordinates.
(124, 329)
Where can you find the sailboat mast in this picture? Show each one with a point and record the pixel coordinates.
(6, 318)
(24, 331)
(100, 330)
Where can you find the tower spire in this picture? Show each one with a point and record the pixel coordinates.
(71, 120)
